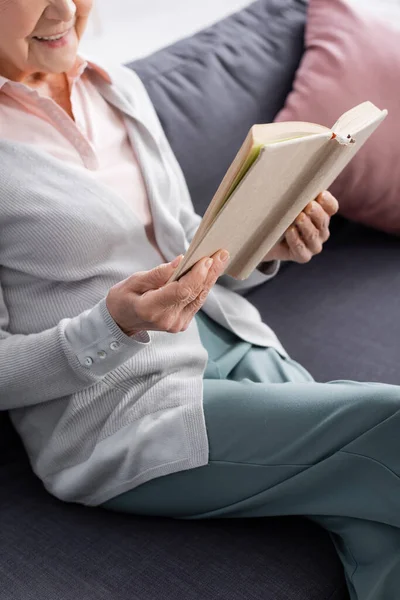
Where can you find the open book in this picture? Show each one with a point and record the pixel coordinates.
(278, 170)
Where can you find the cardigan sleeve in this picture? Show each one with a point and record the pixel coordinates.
(63, 360)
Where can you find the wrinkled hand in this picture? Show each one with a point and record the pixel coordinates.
(145, 301)
(306, 236)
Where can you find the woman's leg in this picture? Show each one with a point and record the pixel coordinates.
(326, 451)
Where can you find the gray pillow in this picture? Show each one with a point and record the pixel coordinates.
(210, 88)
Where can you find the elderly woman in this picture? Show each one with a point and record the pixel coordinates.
(156, 398)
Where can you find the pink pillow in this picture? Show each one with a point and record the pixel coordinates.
(351, 57)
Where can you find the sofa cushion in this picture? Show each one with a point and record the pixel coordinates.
(50, 550)
(211, 88)
(338, 315)
(340, 69)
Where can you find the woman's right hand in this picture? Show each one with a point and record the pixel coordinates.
(145, 301)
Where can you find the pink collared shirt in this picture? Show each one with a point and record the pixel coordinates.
(96, 141)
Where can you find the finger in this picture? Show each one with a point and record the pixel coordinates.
(183, 292)
(281, 250)
(298, 250)
(220, 263)
(309, 233)
(199, 284)
(191, 297)
(317, 214)
(144, 281)
(328, 203)
(319, 218)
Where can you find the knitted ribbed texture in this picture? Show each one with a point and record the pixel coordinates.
(99, 412)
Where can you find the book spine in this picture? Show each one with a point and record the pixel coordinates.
(311, 182)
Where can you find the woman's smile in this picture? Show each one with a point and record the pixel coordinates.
(56, 41)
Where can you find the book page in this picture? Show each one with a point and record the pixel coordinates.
(358, 118)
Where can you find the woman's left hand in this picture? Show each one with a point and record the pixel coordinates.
(307, 235)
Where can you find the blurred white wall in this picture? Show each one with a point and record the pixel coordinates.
(122, 30)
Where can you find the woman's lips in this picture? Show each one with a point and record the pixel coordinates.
(59, 43)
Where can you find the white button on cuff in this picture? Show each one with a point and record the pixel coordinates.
(102, 354)
(114, 345)
(88, 361)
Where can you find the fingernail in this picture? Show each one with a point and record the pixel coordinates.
(326, 195)
(224, 255)
(208, 263)
(176, 261)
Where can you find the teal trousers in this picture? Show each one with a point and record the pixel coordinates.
(282, 444)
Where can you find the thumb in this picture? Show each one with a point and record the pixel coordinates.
(145, 281)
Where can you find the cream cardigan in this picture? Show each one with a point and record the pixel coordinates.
(99, 412)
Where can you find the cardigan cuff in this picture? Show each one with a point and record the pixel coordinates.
(98, 343)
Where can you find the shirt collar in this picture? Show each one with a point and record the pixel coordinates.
(81, 64)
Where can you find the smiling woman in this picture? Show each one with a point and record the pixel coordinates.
(39, 42)
(39, 39)
(112, 407)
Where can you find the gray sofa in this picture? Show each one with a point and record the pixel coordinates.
(338, 315)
